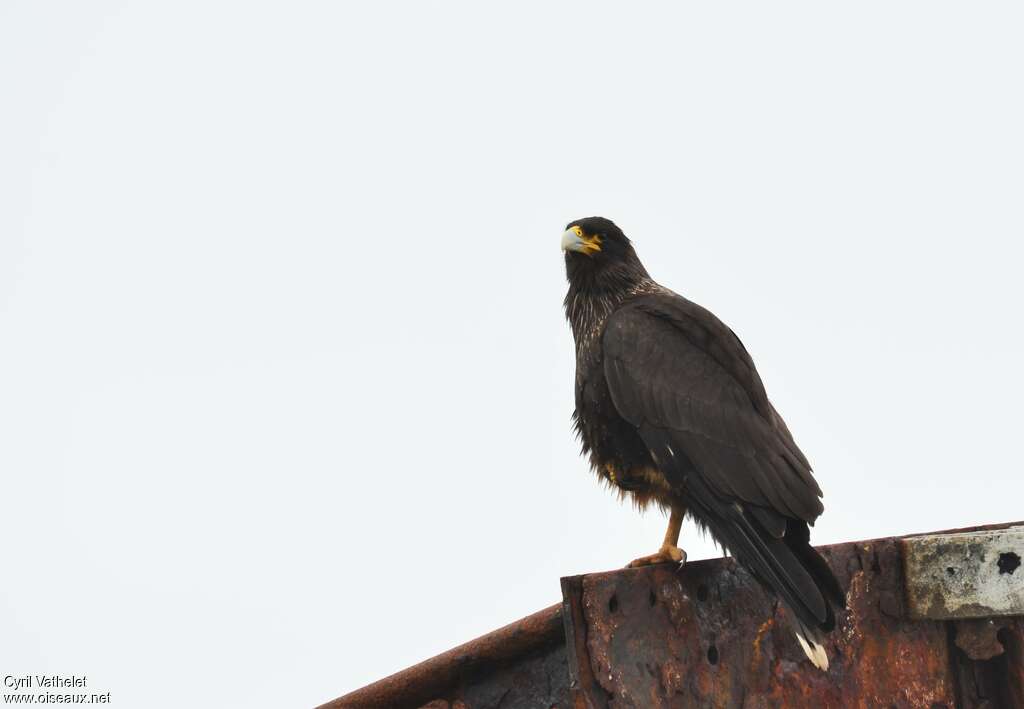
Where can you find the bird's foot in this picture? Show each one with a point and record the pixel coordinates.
(666, 555)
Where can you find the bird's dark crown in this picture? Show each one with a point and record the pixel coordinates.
(604, 231)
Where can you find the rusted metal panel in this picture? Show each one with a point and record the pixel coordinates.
(520, 665)
(989, 662)
(965, 575)
(537, 680)
(709, 636)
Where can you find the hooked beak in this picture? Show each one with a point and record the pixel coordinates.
(573, 240)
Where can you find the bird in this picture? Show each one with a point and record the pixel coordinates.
(671, 412)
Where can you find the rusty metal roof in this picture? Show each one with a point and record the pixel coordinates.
(933, 620)
(533, 642)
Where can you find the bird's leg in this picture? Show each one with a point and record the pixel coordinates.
(670, 551)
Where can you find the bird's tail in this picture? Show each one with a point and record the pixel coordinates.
(776, 550)
(790, 566)
(811, 636)
(811, 640)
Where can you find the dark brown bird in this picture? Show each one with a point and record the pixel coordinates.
(671, 411)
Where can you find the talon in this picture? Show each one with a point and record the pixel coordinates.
(667, 554)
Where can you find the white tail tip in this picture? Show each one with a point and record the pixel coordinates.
(814, 650)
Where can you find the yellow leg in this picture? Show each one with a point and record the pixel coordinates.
(669, 552)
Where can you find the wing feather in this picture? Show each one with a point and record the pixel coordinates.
(675, 366)
(688, 385)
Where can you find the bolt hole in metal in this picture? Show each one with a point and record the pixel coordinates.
(1008, 562)
(652, 599)
(713, 655)
(613, 604)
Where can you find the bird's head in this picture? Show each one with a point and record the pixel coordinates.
(597, 250)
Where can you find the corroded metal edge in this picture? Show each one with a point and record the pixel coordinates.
(988, 661)
(423, 682)
(581, 674)
(707, 635)
(975, 574)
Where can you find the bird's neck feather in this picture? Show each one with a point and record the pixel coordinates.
(592, 299)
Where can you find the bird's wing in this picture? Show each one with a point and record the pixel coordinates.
(674, 368)
(685, 381)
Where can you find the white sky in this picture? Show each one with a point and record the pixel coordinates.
(284, 379)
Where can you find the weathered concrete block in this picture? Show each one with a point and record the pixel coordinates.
(965, 575)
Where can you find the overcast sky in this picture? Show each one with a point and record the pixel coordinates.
(285, 383)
